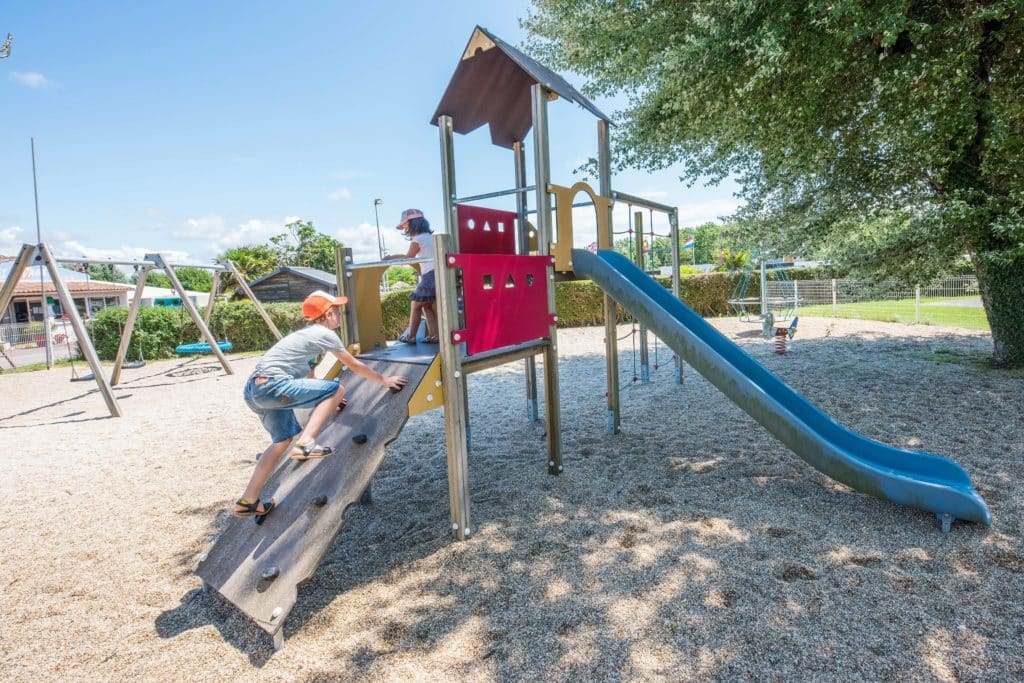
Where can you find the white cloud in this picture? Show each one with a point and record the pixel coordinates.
(653, 194)
(702, 212)
(215, 231)
(339, 194)
(11, 240)
(362, 240)
(204, 228)
(31, 79)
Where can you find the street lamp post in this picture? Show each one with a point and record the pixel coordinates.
(377, 203)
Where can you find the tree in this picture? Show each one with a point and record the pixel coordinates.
(893, 130)
(252, 261)
(706, 242)
(404, 274)
(302, 245)
(154, 279)
(105, 272)
(192, 279)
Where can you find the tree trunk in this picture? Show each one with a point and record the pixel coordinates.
(1002, 293)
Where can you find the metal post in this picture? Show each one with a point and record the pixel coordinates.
(673, 222)
(446, 131)
(835, 309)
(542, 174)
(129, 323)
(765, 310)
(376, 214)
(42, 281)
(84, 342)
(638, 226)
(343, 257)
(161, 263)
(523, 243)
(917, 304)
(451, 225)
(252, 297)
(796, 297)
(454, 383)
(611, 334)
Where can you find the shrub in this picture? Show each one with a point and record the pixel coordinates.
(158, 330)
(240, 323)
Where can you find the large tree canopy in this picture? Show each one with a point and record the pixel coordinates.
(889, 133)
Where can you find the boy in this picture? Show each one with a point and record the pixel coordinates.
(283, 380)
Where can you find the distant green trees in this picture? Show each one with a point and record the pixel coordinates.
(299, 245)
(192, 279)
(889, 133)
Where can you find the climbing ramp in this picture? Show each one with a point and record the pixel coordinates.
(259, 568)
(921, 480)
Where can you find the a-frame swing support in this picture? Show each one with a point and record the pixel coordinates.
(40, 255)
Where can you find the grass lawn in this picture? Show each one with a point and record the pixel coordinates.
(932, 312)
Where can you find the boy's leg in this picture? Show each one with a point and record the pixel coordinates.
(321, 413)
(264, 468)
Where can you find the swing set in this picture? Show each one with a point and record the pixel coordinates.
(40, 255)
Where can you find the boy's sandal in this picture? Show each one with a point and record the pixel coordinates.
(254, 509)
(431, 340)
(406, 339)
(311, 452)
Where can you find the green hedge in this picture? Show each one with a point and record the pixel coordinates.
(159, 330)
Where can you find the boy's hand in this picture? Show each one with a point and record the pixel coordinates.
(395, 382)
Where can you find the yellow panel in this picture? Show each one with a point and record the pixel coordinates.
(531, 238)
(429, 394)
(369, 319)
(562, 248)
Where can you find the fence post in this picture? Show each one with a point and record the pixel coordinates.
(835, 311)
(796, 297)
(917, 304)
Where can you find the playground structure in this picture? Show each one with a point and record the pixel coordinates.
(778, 298)
(495, 281)
(36, 255)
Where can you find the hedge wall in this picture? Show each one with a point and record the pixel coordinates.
(160, 330)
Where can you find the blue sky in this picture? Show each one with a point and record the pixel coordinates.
(190, 127)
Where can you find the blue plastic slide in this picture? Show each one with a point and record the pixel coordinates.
(920, 480)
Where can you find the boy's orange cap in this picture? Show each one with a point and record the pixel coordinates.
(317, 303)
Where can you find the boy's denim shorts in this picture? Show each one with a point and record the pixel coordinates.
(276, 399)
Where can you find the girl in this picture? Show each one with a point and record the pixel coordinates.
(417, 230)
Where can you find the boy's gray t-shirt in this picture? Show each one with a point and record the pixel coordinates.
(290, 356)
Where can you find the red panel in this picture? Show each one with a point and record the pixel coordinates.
(486, 231)
(506, 299)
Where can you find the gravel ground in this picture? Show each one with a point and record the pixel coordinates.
(692, 546)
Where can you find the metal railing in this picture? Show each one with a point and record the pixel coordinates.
(960, 290)
(32, 335)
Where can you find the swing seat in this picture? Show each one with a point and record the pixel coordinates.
(202, 347)
(132, 365)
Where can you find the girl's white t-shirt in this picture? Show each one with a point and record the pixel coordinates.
(426, 242)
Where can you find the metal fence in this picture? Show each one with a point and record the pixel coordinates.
(33, 335)
(905, 300)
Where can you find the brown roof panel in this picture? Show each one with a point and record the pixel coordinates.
(492, 84)
(26, 287)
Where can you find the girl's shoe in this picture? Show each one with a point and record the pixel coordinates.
(406, 339)
(431, 340)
